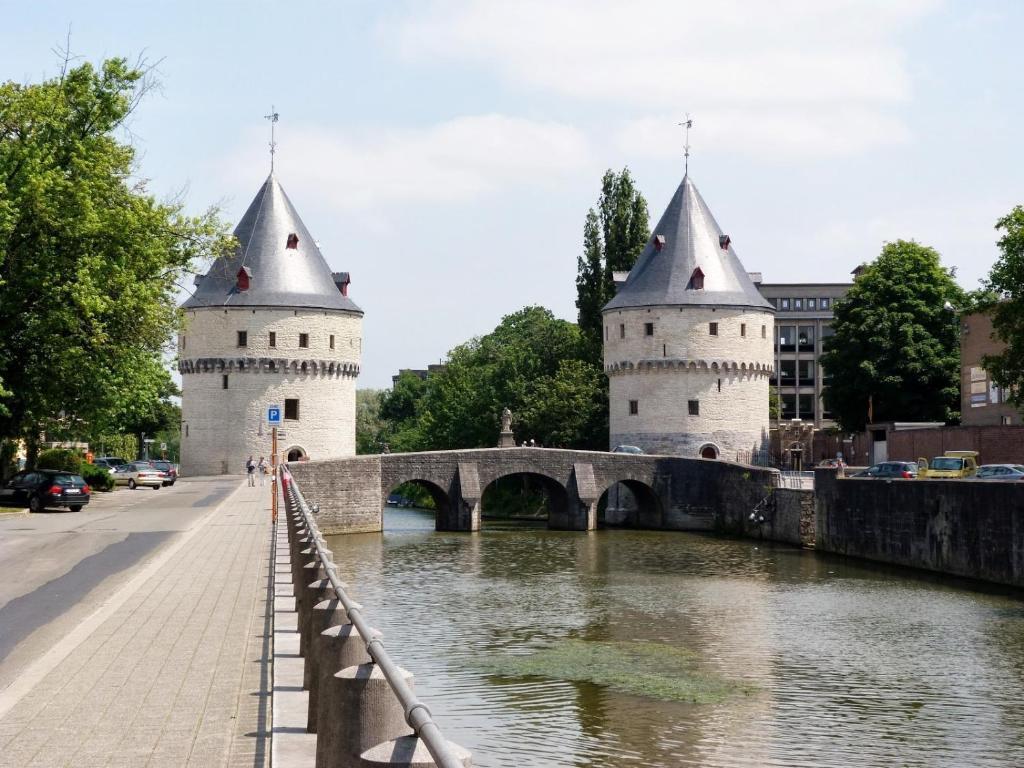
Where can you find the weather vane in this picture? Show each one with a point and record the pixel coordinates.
(272, 117)
(688, 124)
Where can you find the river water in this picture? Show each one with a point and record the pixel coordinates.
(620, 648)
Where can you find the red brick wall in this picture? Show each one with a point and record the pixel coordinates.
(996, 445)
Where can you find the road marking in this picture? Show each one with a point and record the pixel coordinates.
(46, 663)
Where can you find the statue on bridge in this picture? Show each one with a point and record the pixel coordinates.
(507, 439)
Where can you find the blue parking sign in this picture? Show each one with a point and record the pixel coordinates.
(274, 414)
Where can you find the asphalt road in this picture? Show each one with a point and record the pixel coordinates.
(56, 568)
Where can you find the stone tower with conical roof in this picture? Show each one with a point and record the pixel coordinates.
(269, 325)
(688, 343)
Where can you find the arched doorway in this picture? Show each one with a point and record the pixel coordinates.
(629, 504)
(525, 498)
(709, 451)
(295, 453)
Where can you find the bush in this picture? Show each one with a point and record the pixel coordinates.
(59, 458)
(98, 478)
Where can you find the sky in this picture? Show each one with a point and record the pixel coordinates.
(446, 152)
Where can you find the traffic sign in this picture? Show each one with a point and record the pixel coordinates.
(163, 446)
(274, 414)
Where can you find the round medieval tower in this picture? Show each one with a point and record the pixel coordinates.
(688, 343)
(269, 325)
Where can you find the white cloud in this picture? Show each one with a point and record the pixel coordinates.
(457, 160)
(817, 71)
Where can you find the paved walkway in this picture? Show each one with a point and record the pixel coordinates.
(171, 671)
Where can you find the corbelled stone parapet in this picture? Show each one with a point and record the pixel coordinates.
(269, 365)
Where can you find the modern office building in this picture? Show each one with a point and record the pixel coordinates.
(982, 402)
(803, 320)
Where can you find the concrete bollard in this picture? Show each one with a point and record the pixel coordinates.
(335, 647)
(357, 710)
(326, 613)
(315, 592)
(408, 752)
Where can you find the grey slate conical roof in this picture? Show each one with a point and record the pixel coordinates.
(691, 235)
(280, 276)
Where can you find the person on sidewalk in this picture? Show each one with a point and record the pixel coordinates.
(250, 468)
(261, 468)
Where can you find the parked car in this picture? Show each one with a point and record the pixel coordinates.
(890, 469)
(138, 473)
(1000, 472)
(832, 463)
(627, 449)
(42, 488)
(169, 469)
(951, 464)
(109, 461)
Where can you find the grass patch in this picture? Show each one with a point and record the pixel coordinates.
(651, 670)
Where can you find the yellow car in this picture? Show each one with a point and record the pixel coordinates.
(951, 464)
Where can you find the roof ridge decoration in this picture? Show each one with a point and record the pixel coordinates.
(285, 264)
(687, 239)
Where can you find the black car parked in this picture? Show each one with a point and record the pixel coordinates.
(891, 469)
(41, 488)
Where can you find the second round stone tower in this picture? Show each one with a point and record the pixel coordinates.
(688, 343)
(269, 325)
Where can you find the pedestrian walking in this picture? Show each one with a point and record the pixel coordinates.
(250, 469)
(261, 468)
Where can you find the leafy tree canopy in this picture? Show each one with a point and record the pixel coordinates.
(613, 236)
(896, 348)
(1005, 287)
(532, 363)
(89, 260)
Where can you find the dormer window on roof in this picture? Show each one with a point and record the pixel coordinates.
(242, 278)
(696, 280)
(724, 241)
(293, 241)
(659, 242)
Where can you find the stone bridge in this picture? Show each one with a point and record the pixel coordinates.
(671, 492)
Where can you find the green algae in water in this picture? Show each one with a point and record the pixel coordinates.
(645, 669)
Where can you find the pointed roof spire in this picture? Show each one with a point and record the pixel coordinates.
(285, 265)
(687, 239)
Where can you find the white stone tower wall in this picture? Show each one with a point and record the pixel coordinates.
(680, 362)
(220, 427)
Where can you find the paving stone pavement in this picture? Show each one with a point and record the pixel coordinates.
(179, 674)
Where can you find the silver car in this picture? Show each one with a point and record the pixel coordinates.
(136, 474)
(1000, 472)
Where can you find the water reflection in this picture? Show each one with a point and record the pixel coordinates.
(839, 664)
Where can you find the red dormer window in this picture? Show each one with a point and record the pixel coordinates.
(293, 241)
(696, 280)
(243, 278)
(659, 242)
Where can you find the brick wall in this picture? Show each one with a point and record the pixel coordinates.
(996, 445)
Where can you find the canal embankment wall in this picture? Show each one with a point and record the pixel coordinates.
(965, 528)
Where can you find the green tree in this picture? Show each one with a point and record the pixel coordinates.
(370, 427)
(533, 363)
(896, 347)
(613, 237)
(89, 261)
(1006, 305)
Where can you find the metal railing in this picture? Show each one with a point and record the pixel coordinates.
(417, 716)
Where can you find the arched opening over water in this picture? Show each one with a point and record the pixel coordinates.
(417, 494)
(629, 504)
(524, 498)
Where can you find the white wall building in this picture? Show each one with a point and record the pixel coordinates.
(688, 343)
(270, 325)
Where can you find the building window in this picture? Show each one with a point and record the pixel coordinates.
(291, 409)
(825, 303)
(784, 304)
(303, 340)
(696, 280)
(273, 339)
(606, 333)
(183, 339)
(812, 304)
(788, 410)
(694, 406)
(634, 407)
(743, 329)
(787, 338)
(806, 407)
(243, 338)
(798, 305)
(186, 430)
(622, 330)
(787, 372)
(648, 329)
(1007, 421)
(292, 242)
(764, 331)
(805, 338)
(224, 381)
(805, 373)
(713, 329)
(332, 341)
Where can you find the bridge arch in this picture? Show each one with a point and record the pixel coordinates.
(630, 503)
(439, 496)
(538, 490)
